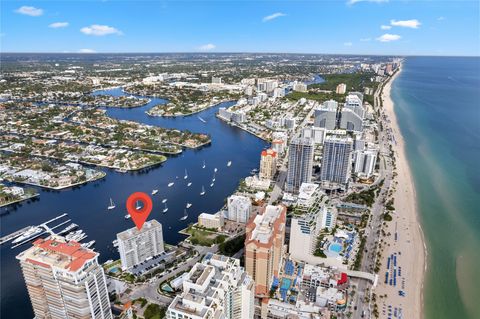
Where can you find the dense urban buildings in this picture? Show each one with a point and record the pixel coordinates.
(300, 163)
(64, 280)
(265, 236)
(135, 245)
(215, 288)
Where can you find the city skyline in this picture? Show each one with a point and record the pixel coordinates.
(381, 27)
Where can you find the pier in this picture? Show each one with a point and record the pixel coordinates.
(44, 225)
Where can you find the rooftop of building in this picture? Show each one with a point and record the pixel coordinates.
(267, 224)
(57, 252)
(133, 232)
(269, 152)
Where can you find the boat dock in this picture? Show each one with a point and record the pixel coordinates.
(13, 235)
(47, 229)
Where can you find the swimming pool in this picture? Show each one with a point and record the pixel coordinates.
(286, 283)
(336, 248)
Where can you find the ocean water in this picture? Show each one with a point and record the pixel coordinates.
(437, 103)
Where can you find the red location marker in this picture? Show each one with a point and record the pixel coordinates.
(139, 216)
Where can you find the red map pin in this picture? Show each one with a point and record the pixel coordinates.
(139, 215)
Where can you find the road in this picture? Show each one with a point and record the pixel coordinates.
(374, 226)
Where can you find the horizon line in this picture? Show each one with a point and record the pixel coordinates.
(246, 52)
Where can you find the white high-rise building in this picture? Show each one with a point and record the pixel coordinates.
(239, 208)
(326, 115)
(216, 288)
(336, 159)
(64, 280)
(350, 121)
(135, 246)
(354, 101)
(305, 231)
(365, 161)
(300, 163)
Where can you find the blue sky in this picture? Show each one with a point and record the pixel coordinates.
(341, 26)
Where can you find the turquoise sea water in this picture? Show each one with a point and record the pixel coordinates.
(437, 103)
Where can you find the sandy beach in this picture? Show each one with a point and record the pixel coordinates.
(404, 237)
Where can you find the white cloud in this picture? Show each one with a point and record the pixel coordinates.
(350, 2)
(414, 23)
(86, 51)
(347, 44)
(100, 30)
(29, 11)
(365, 39)
(441, 18)
(385, 27)
(387, 37)
(57, 25)
(207, 47)
(273, 16)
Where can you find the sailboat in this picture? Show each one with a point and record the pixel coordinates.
(166, 208)
(204, 164)
(229, 163)
(112, 204)
(164, 200)
(213, 179)
(211, 185)
(189, 184)
(185, 215)
(186, 174)
(170, 184)
(215, 169)
(154, 191)
(138, 206)
(203, 191)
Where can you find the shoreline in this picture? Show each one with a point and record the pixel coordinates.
(410, 241)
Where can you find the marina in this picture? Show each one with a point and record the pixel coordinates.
(87, 205)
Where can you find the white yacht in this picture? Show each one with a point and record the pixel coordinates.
(229, 163)
(189, 184)
(154, 191)
(170, 184)
(164, 200)
(189, 205)
(128, 216)
(29, 233)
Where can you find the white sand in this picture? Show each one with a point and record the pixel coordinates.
(410, 243)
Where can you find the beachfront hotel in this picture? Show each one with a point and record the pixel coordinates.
(218, 287)
(135, 246)
(64, 280)
(265, 236)
(300, 163)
